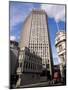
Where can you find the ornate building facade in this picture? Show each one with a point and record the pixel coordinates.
(60, 43)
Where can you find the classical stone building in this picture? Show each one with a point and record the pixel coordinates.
(35, 36)
(13, 62)
(30, 67)
(60, 43)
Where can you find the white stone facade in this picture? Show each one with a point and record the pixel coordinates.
(60, 43)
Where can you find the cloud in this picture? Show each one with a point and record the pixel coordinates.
(13, 38)
(16, 19)
(55, 11)
(18, 12)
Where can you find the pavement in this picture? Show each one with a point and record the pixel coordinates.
(41, 84)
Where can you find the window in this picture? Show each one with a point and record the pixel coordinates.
(20, 64)
(60, 47)
(63, 44)
(47, 61)
(26, 64)
(47, 65)
(29, 65)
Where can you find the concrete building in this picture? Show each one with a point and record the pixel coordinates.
(30, 67)
(35, 36)
(60, 43)
(13, 62)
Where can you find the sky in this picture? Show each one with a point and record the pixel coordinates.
(18, 11)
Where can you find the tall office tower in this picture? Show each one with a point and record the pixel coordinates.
(35, 36)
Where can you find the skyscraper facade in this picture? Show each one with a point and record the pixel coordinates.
(35, 36)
